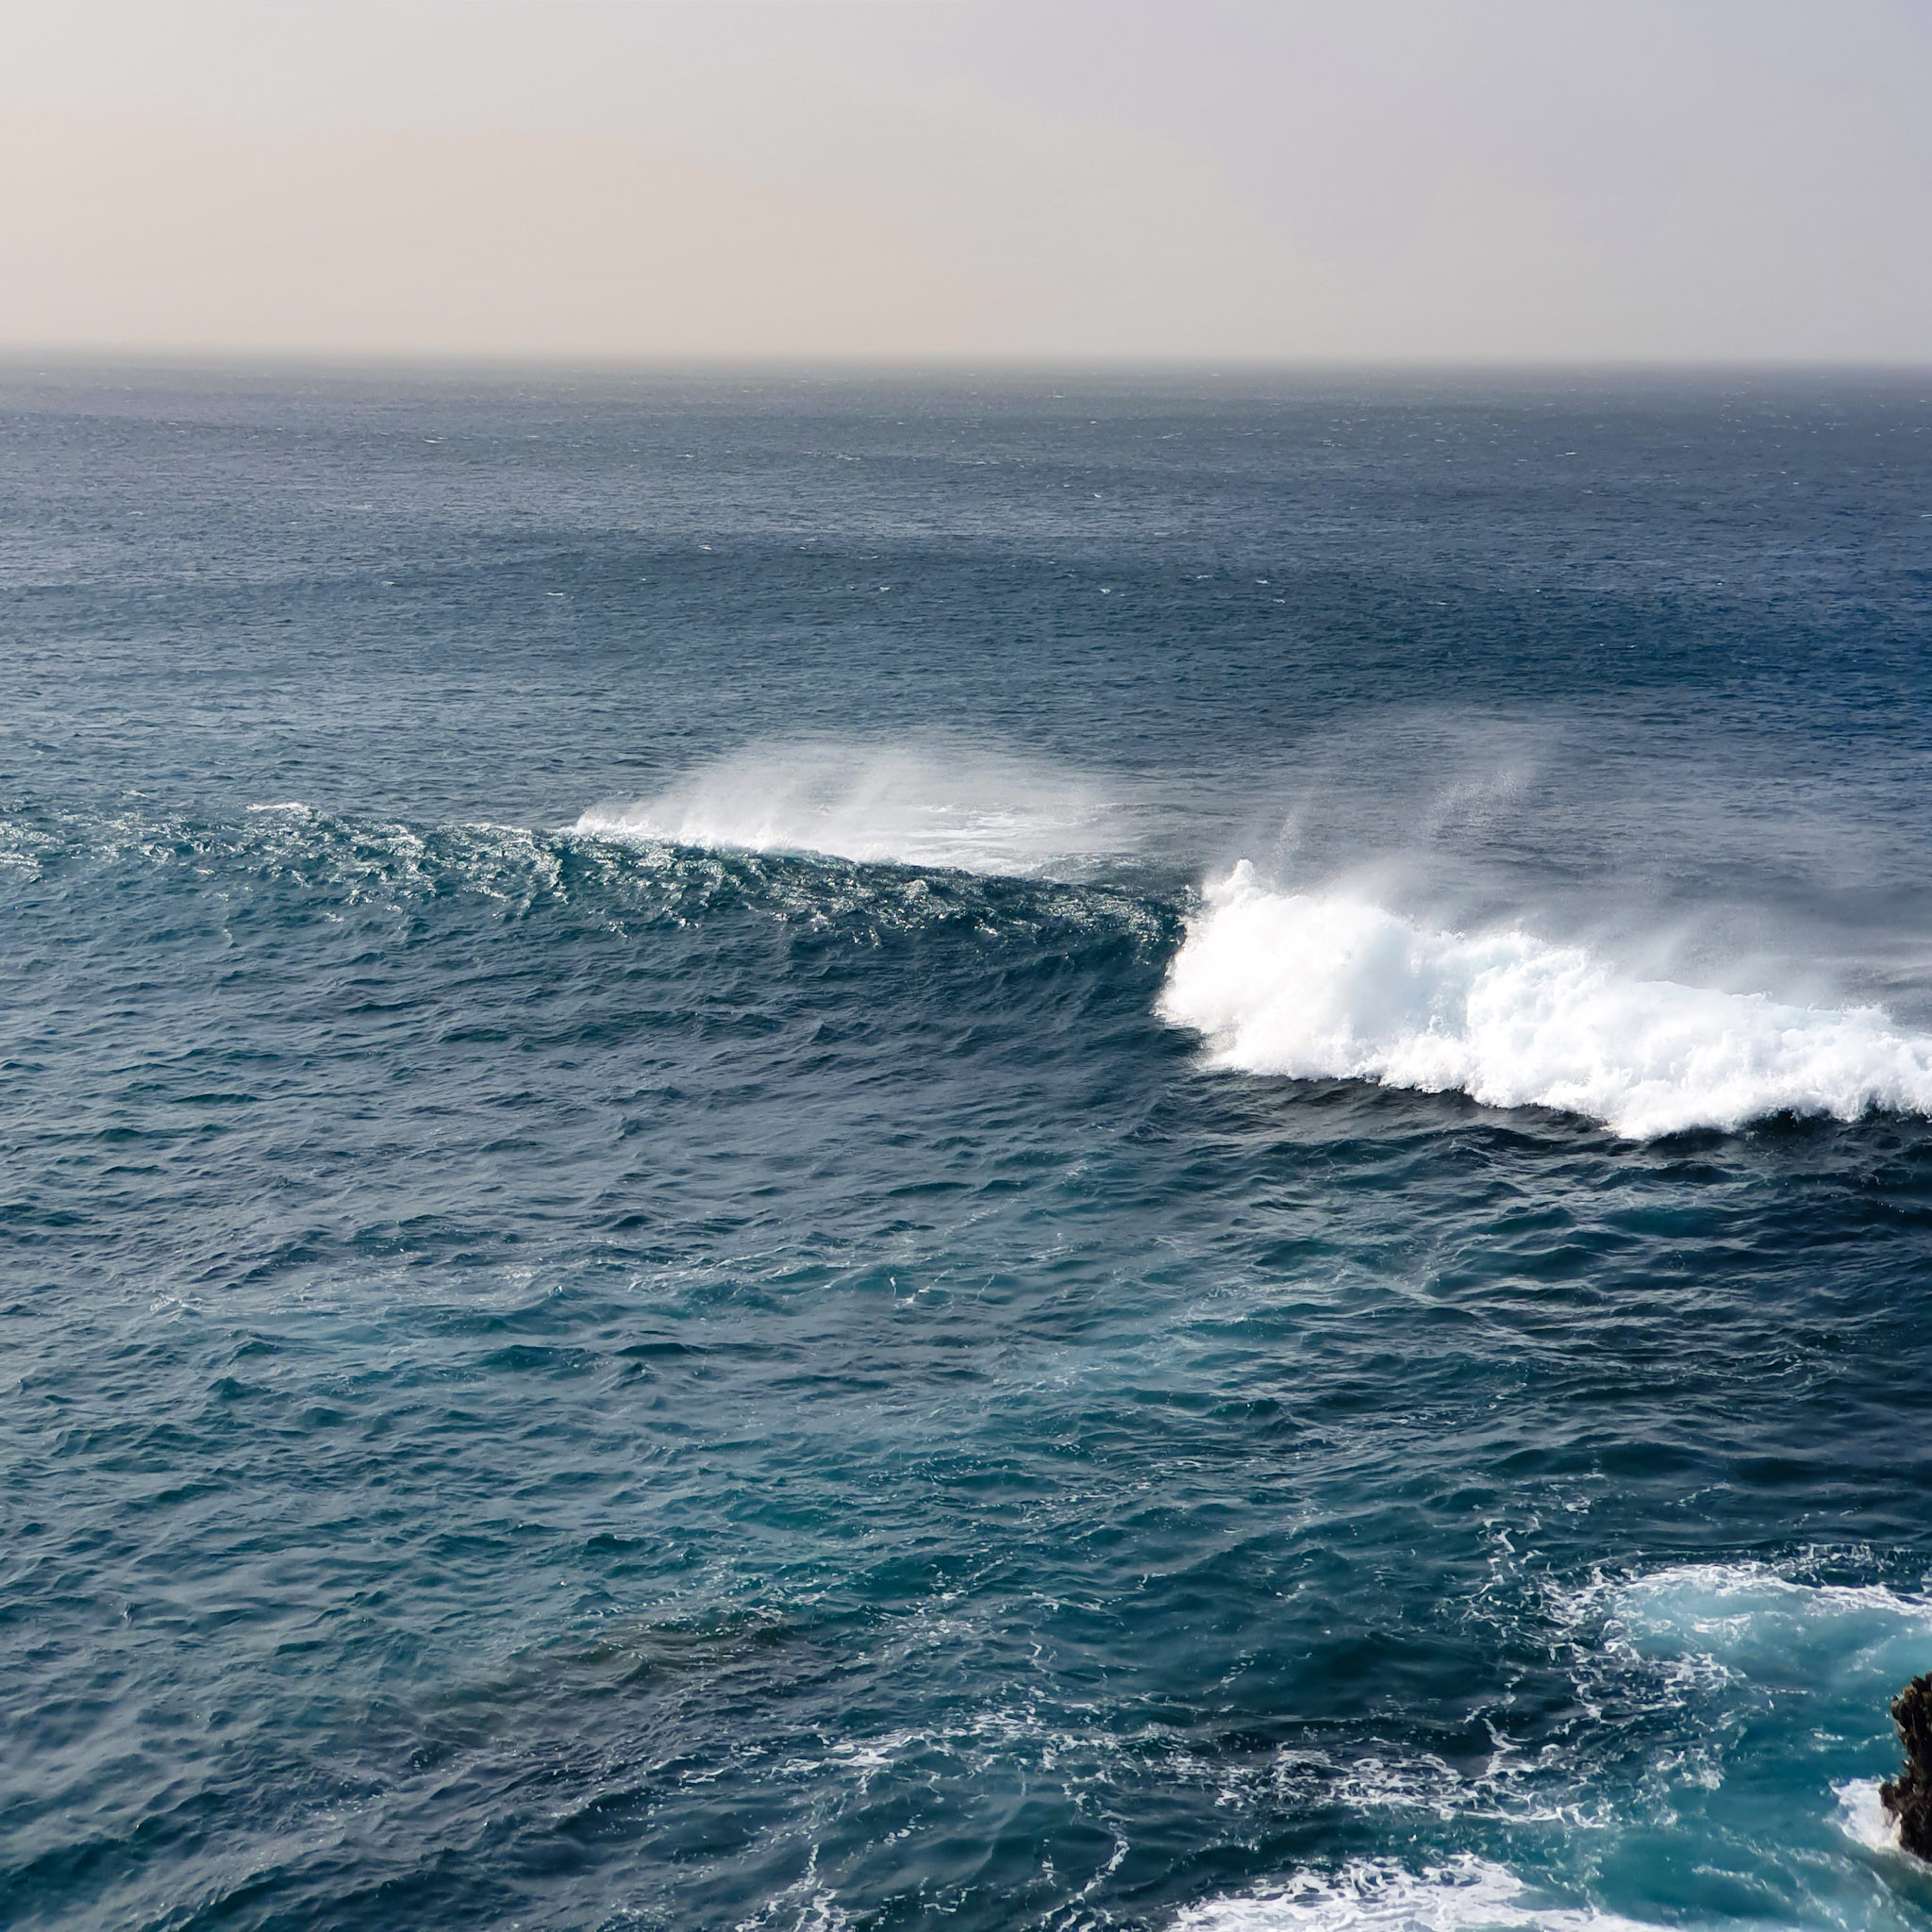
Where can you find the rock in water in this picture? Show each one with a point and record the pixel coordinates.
(1908, 1797)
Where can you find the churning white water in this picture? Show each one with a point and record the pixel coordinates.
(1323, 984)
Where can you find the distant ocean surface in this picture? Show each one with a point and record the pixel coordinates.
(872, 1152)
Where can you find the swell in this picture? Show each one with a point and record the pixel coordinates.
(1305, 985)
(288, 862)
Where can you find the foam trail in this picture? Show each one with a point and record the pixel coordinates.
(1463, 1895)
(1322, 986)
(968, 810)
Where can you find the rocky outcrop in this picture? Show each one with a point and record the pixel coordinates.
(1908, 1797)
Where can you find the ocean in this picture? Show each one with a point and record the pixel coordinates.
(867, 1150)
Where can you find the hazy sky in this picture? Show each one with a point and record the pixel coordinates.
(1498, 180)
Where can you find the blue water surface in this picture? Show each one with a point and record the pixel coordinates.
(621, 1309)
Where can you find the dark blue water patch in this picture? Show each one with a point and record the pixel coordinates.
(577, 585)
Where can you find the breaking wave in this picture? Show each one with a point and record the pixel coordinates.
(1322, 986)
(1862, 1816)
(966, 810)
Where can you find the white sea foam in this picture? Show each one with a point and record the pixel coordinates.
(967, 810)
(1862, 1816)
(1712, 1627)
(1728, 1604)
(1463, 1895)
(1324, 985)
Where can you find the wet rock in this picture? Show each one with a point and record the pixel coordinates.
(1908, 1797)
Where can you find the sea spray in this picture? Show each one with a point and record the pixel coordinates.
(961, 807)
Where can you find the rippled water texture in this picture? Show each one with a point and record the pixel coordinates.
(869, 1153)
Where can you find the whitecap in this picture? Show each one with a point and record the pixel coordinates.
(1327, 985)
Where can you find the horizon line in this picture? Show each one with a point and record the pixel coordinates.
(17, 358)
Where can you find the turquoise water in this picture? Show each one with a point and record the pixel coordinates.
(869, 1153)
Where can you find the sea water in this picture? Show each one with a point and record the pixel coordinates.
(876, 1151)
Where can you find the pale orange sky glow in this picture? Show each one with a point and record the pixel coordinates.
(1485, 180)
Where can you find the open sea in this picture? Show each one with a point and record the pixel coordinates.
(865, 1151)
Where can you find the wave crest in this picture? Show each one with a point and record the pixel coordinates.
(1322, 986)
